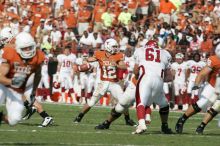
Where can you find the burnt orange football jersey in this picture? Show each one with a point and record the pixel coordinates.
(108, 66)
(214, 64)
(20, 66)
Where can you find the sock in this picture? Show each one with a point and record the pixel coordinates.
(164, 125)
(127, 117)
(141, 112)
(202, 125)
(81, 115)
(183, 118)
(43, 114)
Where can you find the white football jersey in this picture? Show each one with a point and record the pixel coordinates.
(195, 68)
(180, 71)
(153, 60)
(66, 62)
(129, 61)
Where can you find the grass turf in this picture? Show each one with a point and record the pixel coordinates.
(65, 132)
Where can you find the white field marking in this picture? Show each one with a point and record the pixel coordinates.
(83, 144)
(109, 133)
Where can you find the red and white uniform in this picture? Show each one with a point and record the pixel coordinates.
(152, 63)
(13, 96)
(195, 68)
(66, 70)
(180, 77)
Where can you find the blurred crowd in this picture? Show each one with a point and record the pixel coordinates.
(183, 26)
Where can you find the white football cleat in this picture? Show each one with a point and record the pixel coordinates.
(140, 129)
(47, 121)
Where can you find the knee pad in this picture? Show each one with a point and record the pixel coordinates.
(196, 108)
(212, 112)
(203, 103)
(115, 114)
(164, 110)
(93, 100)
(119, 108)
(216, 106)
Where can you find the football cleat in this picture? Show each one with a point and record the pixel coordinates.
(179, 126)
(166, 130)
(77, 119)
(103, 126)
(29, 112)
(199, 130)
(46, 122)
(140, 129)
(130, 122)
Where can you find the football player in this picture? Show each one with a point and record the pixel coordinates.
(150, 63)
(65, 73)
(109, 60)
(179, 71)
(209, 94)
(194, 67)
(18, 64)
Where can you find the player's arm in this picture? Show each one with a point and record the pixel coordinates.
(92, 59)
(4, 69)
(136, 71)
(121, 65)
(58, 67)
(202, 75)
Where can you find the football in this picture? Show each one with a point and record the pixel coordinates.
(84, 67)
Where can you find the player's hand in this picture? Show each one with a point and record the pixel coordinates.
(18, 80)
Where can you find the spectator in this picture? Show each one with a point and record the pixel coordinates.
(206, 45)
(99, 9)
(124, 17)
(84, 18)
(166, 9)
(107, 18)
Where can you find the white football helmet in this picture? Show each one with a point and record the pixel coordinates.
(217, 50)
(6, 35)
(24, 40)
(111, 46)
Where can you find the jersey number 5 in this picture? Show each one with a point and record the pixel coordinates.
(152, 55)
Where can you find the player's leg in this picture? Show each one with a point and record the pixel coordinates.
(14, 106)
(3, 94)
(125, 99)
(208, 96)
(100, 90)
(71, 89)
(211, 113)
(143, 97)
(37, 106)
(160, 99)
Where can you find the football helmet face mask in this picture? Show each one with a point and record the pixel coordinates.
(25, 45)
(111, 46)
(6, 36)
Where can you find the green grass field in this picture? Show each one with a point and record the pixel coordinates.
(65, 132)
